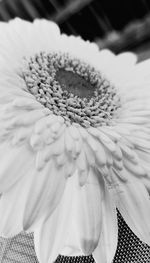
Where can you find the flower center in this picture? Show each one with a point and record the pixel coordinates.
(71, 88)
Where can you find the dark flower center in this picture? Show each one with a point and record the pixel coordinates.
(71, 88)
(75, 84)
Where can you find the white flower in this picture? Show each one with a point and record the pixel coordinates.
(69, 159)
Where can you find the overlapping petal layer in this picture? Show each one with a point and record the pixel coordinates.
(74, 227)
(28, 194)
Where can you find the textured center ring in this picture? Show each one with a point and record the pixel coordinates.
(71, 88)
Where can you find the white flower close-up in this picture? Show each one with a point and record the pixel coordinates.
(74, 141)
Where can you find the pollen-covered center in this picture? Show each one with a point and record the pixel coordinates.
(71, 88)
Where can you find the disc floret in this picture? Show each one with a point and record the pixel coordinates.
(71, 88)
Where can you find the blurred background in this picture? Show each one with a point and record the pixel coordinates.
(119, 25)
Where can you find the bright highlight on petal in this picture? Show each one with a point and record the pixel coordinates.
(108, 239)
(74, 141)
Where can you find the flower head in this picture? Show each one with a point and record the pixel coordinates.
(74, 141)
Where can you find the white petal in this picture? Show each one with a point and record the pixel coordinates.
(44, 193)
(100, 154)
(107, 245)
(30, 198)
(89, 155)
(89, 217)
(69, 143)
(50, 234)
(82, 166)
(144, 157)
(49, 31)
(141, 72)
(15, 39)
(15, 162)
(126, 59)
(134, 168)
(134, 204)
(74, 227)
(41, 35)
(12, 205)
(120, 67)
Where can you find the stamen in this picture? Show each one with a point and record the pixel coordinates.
(71, 88)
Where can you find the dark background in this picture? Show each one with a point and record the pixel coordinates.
(116, 24)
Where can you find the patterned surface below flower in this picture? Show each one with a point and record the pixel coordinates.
(129, 249)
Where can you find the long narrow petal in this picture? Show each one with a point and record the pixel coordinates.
(134, 204)
(145, 161)
(89, 217)
(74, 227)
(30, 198)
(44, 193)
(15, 162)
(12, 208)
(107, 245)
(50, 234)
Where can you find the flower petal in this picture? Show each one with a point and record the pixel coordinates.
(89, 200)
(48, 186)
(144, 157)
(12, 205)
(74, 227)
(30, 198)
(134, 204)
(120, 67)
(11, 170)
(51, 233)
(41, 35)
(107, 245)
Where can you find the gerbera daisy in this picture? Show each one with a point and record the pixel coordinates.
(74, 141)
